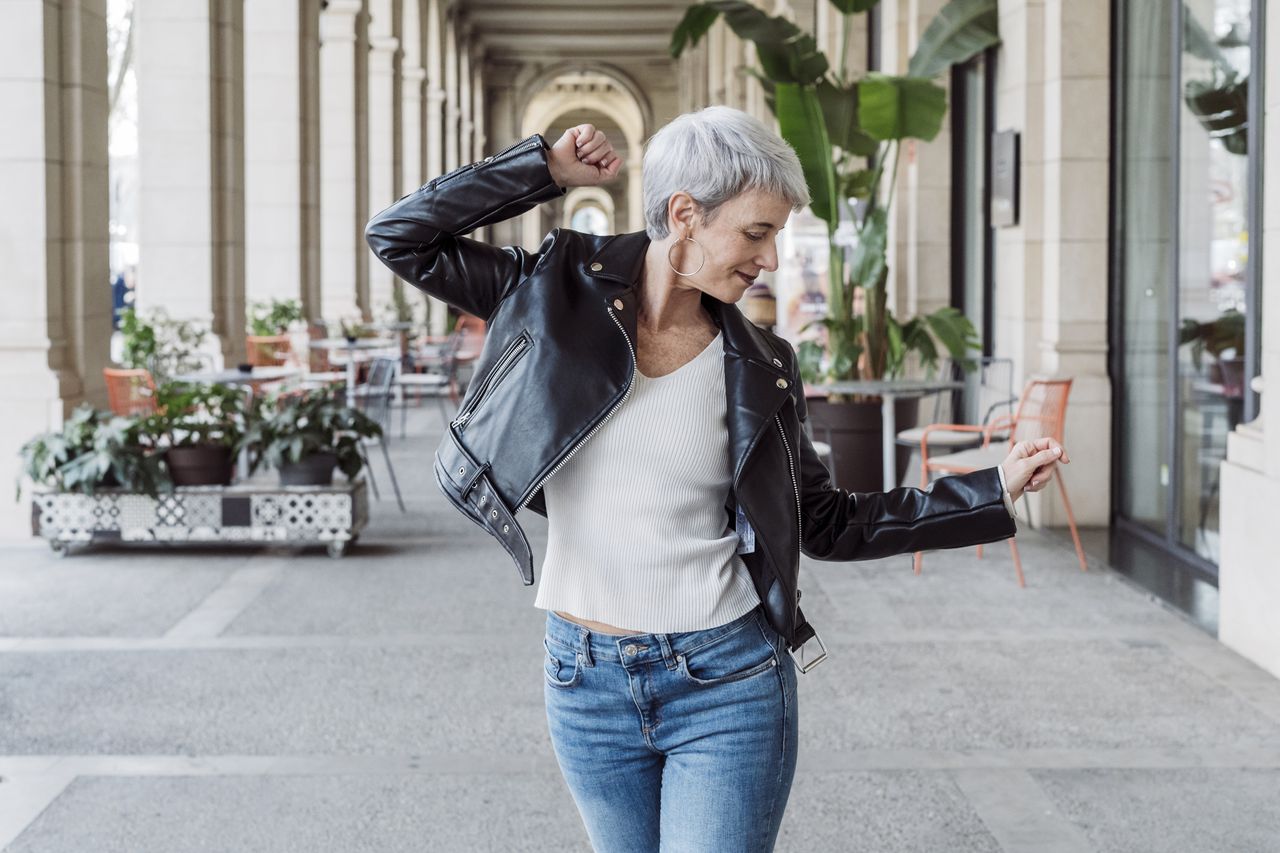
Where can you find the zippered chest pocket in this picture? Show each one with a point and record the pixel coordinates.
(511, 354)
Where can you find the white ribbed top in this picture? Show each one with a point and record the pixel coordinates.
(638, 536)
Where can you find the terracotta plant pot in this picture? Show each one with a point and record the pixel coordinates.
(313, 470)
(855, 440)
(200, 465)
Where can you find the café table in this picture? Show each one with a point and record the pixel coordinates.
(235, 376)
(352, 346)
(887, 390)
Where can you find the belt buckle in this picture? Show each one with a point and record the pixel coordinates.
(799, 658)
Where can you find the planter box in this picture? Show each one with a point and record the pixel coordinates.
(251, 512)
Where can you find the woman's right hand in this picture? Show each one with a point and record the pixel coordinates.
(583, 157)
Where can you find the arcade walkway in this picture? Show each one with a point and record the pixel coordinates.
(392, 701)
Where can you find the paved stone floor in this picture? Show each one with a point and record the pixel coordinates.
(275, 700)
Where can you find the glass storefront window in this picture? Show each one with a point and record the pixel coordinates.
(1213, 248)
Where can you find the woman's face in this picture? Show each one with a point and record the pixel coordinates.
(738, 241)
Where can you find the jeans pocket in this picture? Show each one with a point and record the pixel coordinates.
(734, 657)
(561, 665)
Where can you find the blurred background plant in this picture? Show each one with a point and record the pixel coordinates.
(848, 134)
(156, 342)
(274, 317)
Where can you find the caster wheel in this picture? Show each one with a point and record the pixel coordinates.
(337, 549)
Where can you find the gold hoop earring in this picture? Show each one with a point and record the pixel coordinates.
(700, 249)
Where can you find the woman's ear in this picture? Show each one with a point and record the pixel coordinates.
(682, 213)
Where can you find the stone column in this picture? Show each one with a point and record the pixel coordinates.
(190, 67)
(56, 322)
(433, 62)
(1068, 157)
(452, 111)
(343, 198)
(282, 49)
(383, 189)
(1248, 582)
(411, 124)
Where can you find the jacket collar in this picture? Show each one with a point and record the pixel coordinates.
(756, 378)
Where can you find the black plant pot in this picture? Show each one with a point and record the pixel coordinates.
(855, 440)
(199, 465)
(313, 470)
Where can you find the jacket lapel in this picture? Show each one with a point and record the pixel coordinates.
(755, 374)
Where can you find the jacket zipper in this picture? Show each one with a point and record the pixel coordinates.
(595, 428)
(509, 357)
(795, 485)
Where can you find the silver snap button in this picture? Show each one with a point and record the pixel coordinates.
(506, 528)
(493, 514)
(782, 383)
(461, 471)
(597, 267)
(617, 303)
(777, 362)
(484, 499)
(630, 649)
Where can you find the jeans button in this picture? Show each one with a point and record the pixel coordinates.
(630, 649)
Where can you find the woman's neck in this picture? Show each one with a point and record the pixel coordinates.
(665, 300)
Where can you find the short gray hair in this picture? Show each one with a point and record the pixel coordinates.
(714, 154)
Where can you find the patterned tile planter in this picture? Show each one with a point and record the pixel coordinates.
(252, 512)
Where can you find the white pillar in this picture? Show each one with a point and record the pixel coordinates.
(343, 204)
(452, 112)
(191, 164)
(281, 52)
(413, 156)
(382, 185)
(56, 322)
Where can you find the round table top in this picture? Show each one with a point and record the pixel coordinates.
(234, 376)
(359, 343)
(886, 387)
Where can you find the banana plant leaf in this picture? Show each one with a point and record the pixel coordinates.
(840, 109)
(868, 261)
(960, 31)
(852, 7)
(787, 53)
(801, 123)
(892, 107)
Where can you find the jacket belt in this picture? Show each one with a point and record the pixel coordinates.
(466, 482)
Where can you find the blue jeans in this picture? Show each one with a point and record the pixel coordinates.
(679, 743)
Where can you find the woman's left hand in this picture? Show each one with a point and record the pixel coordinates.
(1031, 464)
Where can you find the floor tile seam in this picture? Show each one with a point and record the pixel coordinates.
(1018, 812)
(833, 639)
(223, 605)
(23, 798)
(810, 761)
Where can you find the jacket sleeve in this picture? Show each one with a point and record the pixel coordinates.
(955, 511)
(420, 236)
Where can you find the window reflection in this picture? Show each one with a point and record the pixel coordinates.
(1213, 255)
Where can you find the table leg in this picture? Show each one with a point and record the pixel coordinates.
(888, 442)
(351, 378)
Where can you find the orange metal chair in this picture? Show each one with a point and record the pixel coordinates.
(130, 391)
(269, 350)
(1041, 413)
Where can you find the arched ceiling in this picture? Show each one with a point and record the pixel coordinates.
(541, 31)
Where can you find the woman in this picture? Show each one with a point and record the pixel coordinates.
(623, 395)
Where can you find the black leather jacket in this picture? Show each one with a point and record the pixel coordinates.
(559, 359)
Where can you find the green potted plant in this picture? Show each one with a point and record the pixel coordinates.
(305, 436)
(156, 342)
(94, 450)
(274, 317)
(847, 133)
(198, 427)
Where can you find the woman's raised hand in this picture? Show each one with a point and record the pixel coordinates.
(1030, 465)
(583, 157)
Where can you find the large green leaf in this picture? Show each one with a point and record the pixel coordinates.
(787, 53)
(801, 123)
(840, 108)
(892, 107)
(852, 7)
(961, 30)
(869, 255)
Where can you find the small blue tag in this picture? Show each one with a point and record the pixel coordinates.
(746, 534)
